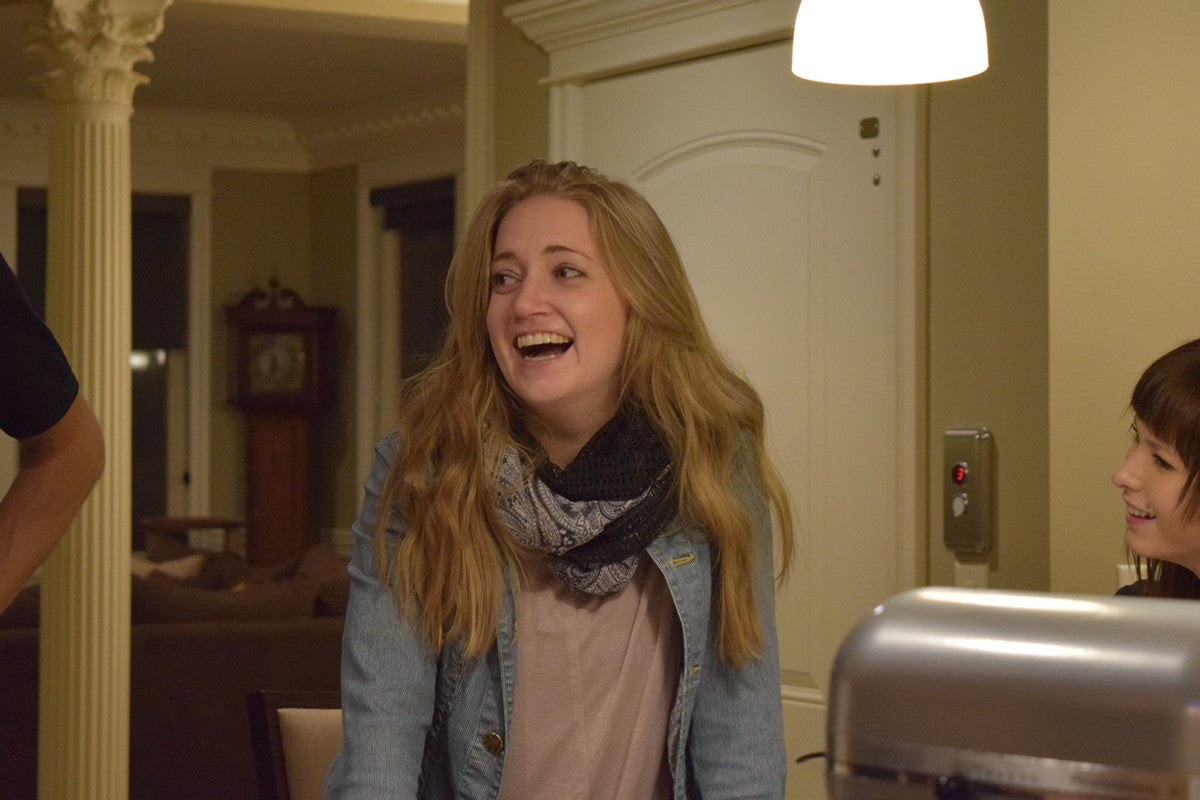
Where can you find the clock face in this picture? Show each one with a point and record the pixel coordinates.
(276, 362)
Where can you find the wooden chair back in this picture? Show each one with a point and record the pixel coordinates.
(295, 735)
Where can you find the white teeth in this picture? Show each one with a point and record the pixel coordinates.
(1134, 512)
(532, 339)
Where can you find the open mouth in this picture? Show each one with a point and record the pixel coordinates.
(541, 346)
(1135, 512)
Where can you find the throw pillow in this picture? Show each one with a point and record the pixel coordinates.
(159, 600)
(167, 548)
(181, 569)
(255, 575)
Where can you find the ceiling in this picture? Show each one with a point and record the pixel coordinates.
(302, 60)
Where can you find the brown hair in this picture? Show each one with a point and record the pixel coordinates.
(448, 569)
(1166, 400)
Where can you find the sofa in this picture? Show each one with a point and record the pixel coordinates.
(206, 630)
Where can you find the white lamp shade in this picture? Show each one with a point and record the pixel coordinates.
(889, 42)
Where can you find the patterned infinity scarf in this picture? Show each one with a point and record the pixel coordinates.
(594, 518)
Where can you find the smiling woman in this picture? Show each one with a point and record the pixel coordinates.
(556, 322)
(580, 459)
(1158, 477)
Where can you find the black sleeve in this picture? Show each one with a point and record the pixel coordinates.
(37, 385)
(1135, 589)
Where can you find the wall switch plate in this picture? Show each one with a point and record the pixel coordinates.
(968, 498)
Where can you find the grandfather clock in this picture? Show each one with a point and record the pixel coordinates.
(281, 377)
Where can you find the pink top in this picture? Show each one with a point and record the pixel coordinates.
(596, 679)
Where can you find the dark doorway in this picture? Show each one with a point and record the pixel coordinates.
(423, 215)
(160, 234)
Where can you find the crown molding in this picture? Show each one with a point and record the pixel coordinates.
(590, 39)
(244, 141)
(560, 24)
(226, 139)
(171, 136)
(379, 122)
(435, 131)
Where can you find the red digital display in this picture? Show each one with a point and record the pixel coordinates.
(958, 473)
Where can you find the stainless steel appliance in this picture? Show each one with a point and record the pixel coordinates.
(972, 694)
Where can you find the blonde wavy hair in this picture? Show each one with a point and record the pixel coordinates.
(447, 570)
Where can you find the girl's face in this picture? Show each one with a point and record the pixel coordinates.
(1151, 479)
(555, 319)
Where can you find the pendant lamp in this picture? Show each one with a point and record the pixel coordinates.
(889, 42)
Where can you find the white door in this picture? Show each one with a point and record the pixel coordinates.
(798, 237)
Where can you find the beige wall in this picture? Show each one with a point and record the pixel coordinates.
(260, 229)
(521, 105)
(333, 223)
(507, 109)
(1124, 246)
(987, 286)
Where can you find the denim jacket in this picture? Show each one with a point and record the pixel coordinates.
(725, 737)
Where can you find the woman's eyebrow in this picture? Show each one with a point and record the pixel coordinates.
(550, 249)
(562, 248)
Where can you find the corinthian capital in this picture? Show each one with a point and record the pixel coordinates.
(91, 46)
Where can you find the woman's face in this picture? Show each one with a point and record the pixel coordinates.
(1151, 479)
(555, 319)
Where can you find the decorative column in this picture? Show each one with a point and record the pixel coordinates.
(90, 48)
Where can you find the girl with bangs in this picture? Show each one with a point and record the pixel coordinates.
(562, 582)
(1158, 477)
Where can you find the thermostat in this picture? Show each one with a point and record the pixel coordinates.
(968, 503)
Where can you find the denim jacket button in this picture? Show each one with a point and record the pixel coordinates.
(493, 743)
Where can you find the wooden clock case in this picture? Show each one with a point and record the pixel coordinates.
(282, 378)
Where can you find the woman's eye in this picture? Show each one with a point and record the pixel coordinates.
(1133, 433)
(1162, 462)
(501, 279)
(567, 271)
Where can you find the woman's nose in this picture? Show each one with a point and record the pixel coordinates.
(531, 296)
(1125, 475)
(1118, 478)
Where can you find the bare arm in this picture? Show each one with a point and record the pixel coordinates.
(58, 469)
